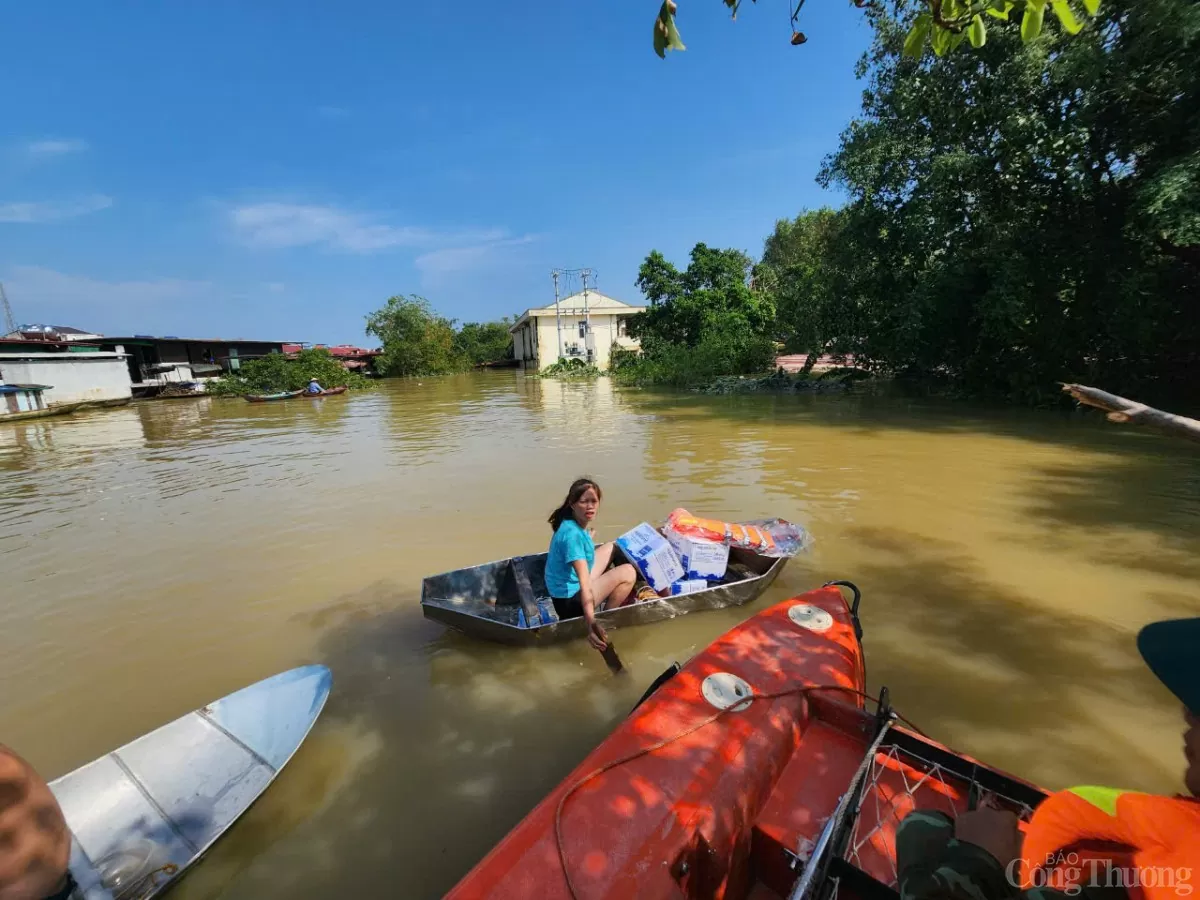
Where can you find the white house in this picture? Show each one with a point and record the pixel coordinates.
(94, 377)
(585, 326)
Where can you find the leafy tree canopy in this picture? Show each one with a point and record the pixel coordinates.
(939, 24)
(418, 341)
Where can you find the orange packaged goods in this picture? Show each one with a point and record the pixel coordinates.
(767, 537)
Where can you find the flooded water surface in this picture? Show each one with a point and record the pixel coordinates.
(157, 557)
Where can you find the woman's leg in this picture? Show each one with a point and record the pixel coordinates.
(614, 587)
(603, 557)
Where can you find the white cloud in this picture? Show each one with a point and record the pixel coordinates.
(454, 260)
(52, 210)
(279, 225)
(55, 147)
(282, 225)
(47, 296)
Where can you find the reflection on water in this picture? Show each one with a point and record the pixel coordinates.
(159, 556)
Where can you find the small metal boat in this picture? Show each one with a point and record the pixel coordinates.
(491, 600)
(264, 398)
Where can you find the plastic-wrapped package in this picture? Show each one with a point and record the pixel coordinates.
(701, 557)
(689, 586)
(766, 537)
(652, 555)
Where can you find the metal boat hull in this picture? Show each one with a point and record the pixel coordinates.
(482, 601)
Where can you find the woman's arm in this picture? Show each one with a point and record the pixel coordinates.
(586, 599)
(596, 634)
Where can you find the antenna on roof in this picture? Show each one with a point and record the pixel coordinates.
(9, 324)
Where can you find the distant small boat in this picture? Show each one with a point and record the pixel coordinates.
(329, 393)
(25, 415)
(264, 398)
(488, 601)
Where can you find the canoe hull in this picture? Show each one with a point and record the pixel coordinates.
(473, 600)
(27, 415)
(687, 800)
(164, 799)
(270, 398)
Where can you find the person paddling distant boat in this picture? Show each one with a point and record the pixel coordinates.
(577, 573)
(314, 387)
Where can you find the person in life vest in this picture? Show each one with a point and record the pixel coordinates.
(1084, 841)
(1146, 843)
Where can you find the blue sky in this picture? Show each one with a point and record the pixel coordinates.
(277, 170)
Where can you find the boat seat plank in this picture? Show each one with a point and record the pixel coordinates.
(524, 585)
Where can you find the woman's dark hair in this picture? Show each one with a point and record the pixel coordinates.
(578, 489)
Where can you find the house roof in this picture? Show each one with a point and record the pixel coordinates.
(17, 388)
(595, 303)
(61, 329)
(172, 339)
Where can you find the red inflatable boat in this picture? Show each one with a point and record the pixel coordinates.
(759, 770)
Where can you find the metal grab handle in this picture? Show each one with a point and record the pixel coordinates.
(815, 861)
(858, 632)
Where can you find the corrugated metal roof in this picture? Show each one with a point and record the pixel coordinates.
(15, 388)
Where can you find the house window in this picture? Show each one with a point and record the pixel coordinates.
(621, 327)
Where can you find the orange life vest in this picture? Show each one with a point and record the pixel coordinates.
(750, 537)
(1104, 837)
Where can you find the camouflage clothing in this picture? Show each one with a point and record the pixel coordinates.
(934, 865)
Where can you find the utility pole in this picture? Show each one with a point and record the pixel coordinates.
(557, 314)
(589, 342)
(10, 324)
(585, 275)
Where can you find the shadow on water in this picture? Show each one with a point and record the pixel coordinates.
(1152, 492)
(998, 676)
(470, 737)
(875, 414)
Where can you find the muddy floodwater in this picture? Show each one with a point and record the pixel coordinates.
(159, 556)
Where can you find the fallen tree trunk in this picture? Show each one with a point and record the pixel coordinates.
(1123, 411)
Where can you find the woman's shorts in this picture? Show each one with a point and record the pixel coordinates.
(571, 608)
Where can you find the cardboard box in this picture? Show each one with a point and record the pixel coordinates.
(700, 558)
(652, 555)
(689, 586)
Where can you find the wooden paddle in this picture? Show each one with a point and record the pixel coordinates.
(611, 659)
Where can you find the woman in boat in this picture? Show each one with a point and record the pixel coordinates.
(577, 571)
(314, 386)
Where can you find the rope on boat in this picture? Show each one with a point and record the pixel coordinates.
(645, 751)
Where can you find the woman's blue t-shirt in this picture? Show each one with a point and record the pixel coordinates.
(570, 542)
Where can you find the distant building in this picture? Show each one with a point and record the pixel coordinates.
(51, 333)
(353, 359)
(21, 398)
(584, 327)
(67, 376)
(157, 361)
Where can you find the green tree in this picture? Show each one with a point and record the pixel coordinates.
(1049, 230)
(702, 322)
(477, 343)
(415, 339)
(276, 372)
(803, 268)
(940, 24)
(711, 297)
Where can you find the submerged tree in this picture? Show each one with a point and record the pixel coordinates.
(416, 340)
